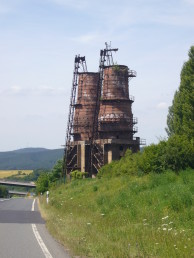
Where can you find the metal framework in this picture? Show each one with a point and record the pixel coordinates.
(96, 153)
(79, 62)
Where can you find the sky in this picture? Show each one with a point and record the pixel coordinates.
(40, 38)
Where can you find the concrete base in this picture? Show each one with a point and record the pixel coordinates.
(112, 149)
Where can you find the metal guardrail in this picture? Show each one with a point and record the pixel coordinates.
(13, 183)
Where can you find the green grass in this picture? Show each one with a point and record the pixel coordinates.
(126, 216)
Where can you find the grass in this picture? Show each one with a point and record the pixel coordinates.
(126, 216)
(18, 173)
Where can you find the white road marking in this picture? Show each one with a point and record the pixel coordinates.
(38, 237)
(33, 204)
(40, 242)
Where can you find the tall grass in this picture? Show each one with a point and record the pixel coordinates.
(126, 216)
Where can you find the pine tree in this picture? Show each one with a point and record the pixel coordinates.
(180, 119)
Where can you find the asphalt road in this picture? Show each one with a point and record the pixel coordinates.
(23, 233)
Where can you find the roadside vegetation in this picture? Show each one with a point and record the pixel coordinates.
(124, 216)
(139, 206)
(3, 192)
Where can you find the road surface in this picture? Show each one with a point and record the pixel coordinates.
(23, 233)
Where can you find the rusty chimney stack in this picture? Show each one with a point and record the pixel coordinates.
(115, 117)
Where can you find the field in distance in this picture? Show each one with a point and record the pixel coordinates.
(19, 173)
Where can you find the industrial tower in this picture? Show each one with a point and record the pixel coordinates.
(101, 125)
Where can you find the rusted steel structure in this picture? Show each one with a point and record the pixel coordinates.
(101, 124)
(85, 106)
(115, 116)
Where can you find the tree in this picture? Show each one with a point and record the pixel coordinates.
(43, 182)
(57, 171)
(179, 153)
(180, 119)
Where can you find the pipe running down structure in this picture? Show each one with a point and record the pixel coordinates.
(101, 125)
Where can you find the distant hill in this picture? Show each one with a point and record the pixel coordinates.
(30, 158)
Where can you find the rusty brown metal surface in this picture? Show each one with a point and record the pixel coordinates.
(115, 85)
(85, 106)
(115, 117)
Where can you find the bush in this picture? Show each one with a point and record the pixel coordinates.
(76, 174)
(3, 192)
(153, 158)
(43, 183)
(174, 154)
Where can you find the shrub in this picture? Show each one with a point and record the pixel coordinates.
(76, 174)
(95, 188)
(3, 192)
(153, 158)
(179, 153)
(43, 183)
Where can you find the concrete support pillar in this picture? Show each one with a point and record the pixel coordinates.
(83, 161)
(109, 156)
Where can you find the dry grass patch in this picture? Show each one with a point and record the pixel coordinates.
(8, 173)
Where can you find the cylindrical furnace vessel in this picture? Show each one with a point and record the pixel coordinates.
(85, 106)
(115, 116)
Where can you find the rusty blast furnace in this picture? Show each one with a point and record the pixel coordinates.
(101, 125)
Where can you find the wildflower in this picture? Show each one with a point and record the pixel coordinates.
(157, 243)
(145, 224)
(164, 228)
(158, 228)
(174, 245)
(165, 217)
(144, 219)
(185, 246)
(102, 214)
(88, 223)
(169, 229)
(189, 239)
(170, 222)
(175, 233)
(71, 198)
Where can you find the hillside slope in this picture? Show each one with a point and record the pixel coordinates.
(30, 158)
(124, 216)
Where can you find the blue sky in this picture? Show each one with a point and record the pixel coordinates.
(38, 42)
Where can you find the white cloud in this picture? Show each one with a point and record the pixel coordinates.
(162, 105)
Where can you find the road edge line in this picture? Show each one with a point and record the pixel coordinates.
(40, 242)
(33, 205)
